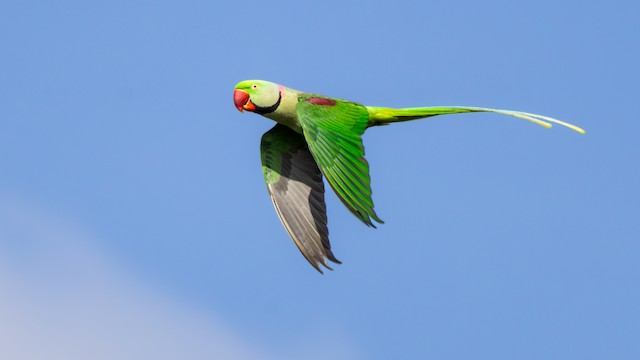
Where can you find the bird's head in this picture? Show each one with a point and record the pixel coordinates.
(257, 96)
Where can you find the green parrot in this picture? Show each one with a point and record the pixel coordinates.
(317, 135)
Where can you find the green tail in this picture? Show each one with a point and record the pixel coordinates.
(384, 116)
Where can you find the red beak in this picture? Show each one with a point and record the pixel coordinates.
(240, 99)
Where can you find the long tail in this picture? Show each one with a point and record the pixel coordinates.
(384, 116)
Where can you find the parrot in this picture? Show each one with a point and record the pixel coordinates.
(318, 137)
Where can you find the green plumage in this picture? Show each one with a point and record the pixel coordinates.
(333, 133)
(318, 135)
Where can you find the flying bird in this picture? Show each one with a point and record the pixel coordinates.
(318, 136)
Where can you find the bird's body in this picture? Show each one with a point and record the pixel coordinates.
(318, 135)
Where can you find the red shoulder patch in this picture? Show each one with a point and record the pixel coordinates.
(321, 101)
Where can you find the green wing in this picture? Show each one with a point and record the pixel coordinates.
(333, 130)
(297, 191)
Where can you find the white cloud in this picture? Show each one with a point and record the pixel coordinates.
(61, 298)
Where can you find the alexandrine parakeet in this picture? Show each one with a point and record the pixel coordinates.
(318, 136)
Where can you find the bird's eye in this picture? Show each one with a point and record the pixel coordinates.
(254, 86)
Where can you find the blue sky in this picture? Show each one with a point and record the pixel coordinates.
(134, 221)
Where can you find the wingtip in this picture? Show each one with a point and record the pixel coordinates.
(324, 262)
(316, 265)
(376, 219)
(332, 257)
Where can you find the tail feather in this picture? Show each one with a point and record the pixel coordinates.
(384, 116)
